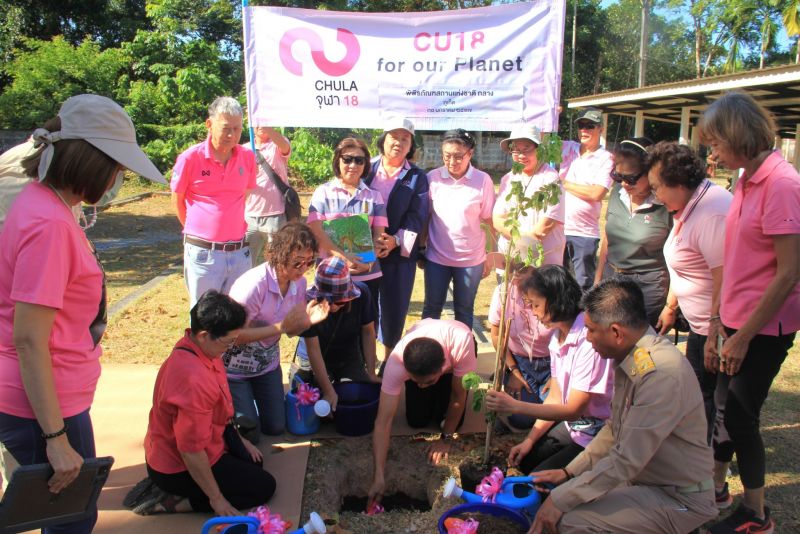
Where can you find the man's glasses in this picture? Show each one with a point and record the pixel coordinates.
(358, 160)
(587, 125)
(629, 179)
(455, 158)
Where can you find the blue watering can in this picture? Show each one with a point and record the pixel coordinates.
(517, 493)
(249, 525)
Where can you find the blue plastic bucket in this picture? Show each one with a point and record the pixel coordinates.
(357, 407)
(489, 509)
(307, 422)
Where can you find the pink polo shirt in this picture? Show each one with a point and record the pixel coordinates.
(258, 291)
(265, 200)
(694, 247)
(575, 365)
(527, 336)
(591, 168)
(454, 337)
(764, 205)
(45, 260)
(455, 236)
(554, 242)
(215, 193)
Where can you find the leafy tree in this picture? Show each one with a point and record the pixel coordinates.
(791, 21)
(48, 72)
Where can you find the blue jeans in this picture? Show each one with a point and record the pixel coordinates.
(205, 269)
(23, 439)
(536, 372)
(465, 286)
(261, 399)
(580, 255)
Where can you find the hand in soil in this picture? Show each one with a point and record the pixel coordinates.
(520, 451)
(375, 493)
(547, 519)
(499, 401)
(438, 451)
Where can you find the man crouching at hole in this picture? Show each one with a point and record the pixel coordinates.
(429, 362)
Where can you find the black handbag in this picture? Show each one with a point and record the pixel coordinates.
(291, 200)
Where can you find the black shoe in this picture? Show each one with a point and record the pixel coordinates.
(140, 492)
(744, 521)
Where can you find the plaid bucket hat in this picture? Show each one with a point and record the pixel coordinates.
(332, 281)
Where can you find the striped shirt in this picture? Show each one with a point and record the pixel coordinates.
(332, 200)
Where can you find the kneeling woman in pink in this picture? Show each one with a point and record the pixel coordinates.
(462, 197)
(759, 311)
(274, 295)
(528, 352)
(693, 250)
(545, 227)
(52, 299)
(581, 382)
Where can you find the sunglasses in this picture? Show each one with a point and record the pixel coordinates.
(629, 179)
(587, 126)
(358, 160)
(304, 264)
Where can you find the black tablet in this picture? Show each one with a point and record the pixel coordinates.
(28, 503)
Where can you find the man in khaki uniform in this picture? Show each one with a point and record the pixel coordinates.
(649, 469)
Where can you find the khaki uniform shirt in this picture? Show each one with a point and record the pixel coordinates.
(657, 432)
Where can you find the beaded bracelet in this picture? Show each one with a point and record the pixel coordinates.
(56, 434)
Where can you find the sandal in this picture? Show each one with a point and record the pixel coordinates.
(159, 501)
(139, 492)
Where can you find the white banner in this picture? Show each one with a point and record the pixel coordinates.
(480, 69)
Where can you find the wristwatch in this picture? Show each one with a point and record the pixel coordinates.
(444, 436)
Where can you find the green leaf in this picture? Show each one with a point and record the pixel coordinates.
(478, 399)
(471, 381)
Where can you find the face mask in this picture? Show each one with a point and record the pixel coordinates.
(111, 193)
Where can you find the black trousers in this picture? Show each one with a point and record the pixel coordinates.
(708, 381)
(554, 450)
(243, 484)
(739, 399)
(426, 405)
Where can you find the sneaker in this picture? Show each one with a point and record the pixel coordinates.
(723, 497)
(744, 521)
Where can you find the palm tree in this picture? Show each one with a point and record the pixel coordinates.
(791, 21)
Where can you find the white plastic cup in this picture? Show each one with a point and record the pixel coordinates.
(322, 408)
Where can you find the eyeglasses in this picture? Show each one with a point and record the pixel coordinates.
(455, 158)
(358, 160)
(304, 264)
(587, 125)
(229, 344)
(527, 152)
(629, 179)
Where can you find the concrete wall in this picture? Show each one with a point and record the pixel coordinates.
(488, 156)
(10, 138)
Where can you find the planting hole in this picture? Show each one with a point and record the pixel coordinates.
(396, 501)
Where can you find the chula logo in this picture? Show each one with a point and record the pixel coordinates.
(314, 41)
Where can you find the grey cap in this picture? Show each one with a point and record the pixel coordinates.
(594, 115)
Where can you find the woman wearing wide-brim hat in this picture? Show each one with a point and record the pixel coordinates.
(343, 345)
(52, 302)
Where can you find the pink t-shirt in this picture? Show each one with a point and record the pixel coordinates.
(575, 365)
(265, 199)
(553, 243)
(384, 183)
(454, 337)
(258, 291)
(455, 236)
(694, 247)
(527, 336)
(582, 216)
(214, 192)
(765, 205)
(45, 260)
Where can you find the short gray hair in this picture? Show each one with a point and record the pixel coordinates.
(616, 301)
(225, 105)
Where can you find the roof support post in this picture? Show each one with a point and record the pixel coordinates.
(797, 146)
(605, 129)
(638, 127)
(686, 113)
(695, 144)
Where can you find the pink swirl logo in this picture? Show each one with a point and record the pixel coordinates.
(314, 41)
